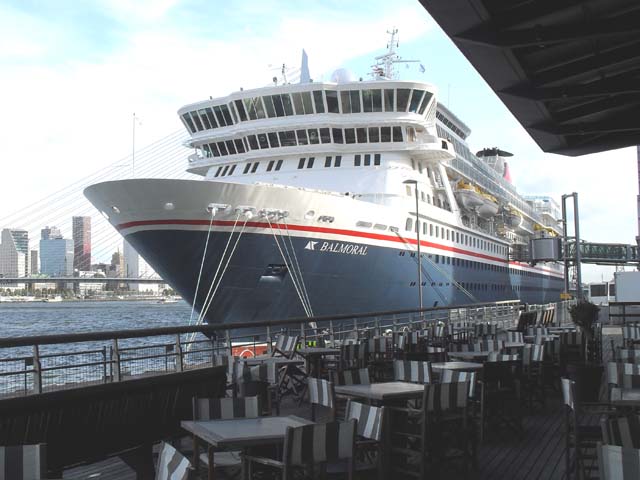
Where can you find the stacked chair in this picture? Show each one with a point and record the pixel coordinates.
(23, 462)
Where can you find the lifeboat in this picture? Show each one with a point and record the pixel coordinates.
(489, 207)
(513, 219)
(468, 197)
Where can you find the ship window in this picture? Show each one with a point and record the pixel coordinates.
(437, 231)
(317, 98)
(221, 120)
(332, 101)
(447, 234)
(409, 225)
(297, 103)
(350, 135)
(255, 167)
(338, 161)
(367, 102)
(226, 114)
(241, 110)
(277, 105)
(313, 136)
(302, 137)
(214, 149)
(224, 170)
(397, 134)
(376, 100)
(187, 120)
(205, 120)
(428, 198)
(268, 104)
(231, 148)
(362, 135)
(379, 226)
(307, 103)
(424, 228)
(403, 99)
(411, 135)
(362, 224)
(256, 105)
(367, 160)
(218, 171)
(246, 168)
(423, 197)
(337, 135)
(425, 103)
(325, 135)
(232, 111)
(389, 100)
(408, 188)
(419, 167)
(310, 162)
(233, 169)
(413, 164)
(417, 226)
(206, 150)
(286, 102)
(327, 162)
(374, 134)
(385, 134)
(288, 138)
(416, 98)
(262, 140)
(270, 165)
(273, 139)
(239, 145)
(301, 163)
(279, 165)
(223, 149)
(196, 120)
(376, 159)
(345, 100)
(253, 142)
(355, 101)
(457, 237)
(356, 160)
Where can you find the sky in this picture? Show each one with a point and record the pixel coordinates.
(73, 73)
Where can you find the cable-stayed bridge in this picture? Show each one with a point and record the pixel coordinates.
(165, 158)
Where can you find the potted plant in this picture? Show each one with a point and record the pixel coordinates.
(587, 372)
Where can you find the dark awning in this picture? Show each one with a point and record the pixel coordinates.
(569, 70)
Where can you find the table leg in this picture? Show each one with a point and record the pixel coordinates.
(212, 474)
(196, 453)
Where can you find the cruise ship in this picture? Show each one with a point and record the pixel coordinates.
(315, 197)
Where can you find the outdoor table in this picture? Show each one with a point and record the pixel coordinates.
(571, 328)
(470, 355)
(625, 397)
(382, 392)
(514, 345)
(459, 366)
(240, 433)
(314, 355)
(252, 361)
(546, 338)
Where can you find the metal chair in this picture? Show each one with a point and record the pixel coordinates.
(370, 423)
(412, 371)
(618, 463)
(23, 462)
(321, 393)
(308, 446)
(621, 431)
(171, 464)
(533, 373)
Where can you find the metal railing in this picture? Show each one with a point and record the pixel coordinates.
(32, 365)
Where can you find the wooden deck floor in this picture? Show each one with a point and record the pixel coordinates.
(537, 454)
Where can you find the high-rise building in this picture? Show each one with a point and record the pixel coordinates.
(136, 267)
(82, 243)
(35, 269)
(14, 253)
(57, 257)
(50, 232)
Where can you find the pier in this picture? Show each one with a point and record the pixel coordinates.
(132, 374)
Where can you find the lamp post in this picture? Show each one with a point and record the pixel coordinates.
(415, 183)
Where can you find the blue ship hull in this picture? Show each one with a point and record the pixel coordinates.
(340, 277)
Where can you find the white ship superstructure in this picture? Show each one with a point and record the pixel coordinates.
(307, 205)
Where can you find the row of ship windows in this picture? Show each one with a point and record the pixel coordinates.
(311, 136)
(306, 103)
(275, 165)
(485, 287)
(426, 198)
(448, 234)
(450, 125)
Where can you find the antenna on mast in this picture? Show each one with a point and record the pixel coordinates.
(384, 66)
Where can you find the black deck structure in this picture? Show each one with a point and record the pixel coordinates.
(568, 70)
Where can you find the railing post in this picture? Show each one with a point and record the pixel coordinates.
(269, 346)
(115, 362)
(104, 363)
(179, 357)
(37, 370)
(376, 333)
(303, 334)
(227, 337)
(355, 329)
(331, 334)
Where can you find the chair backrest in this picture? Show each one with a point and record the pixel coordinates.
(226, 408)
(23, 462)
(412, 371)
(618, 463)
(354, 376)
(440, 397)
(532, 354)
(285, 345)
(482, 329)
(501, 357)
(171, 464)
(456, 376)
(615, 371)
(226, 360)
(319, 443)
(378, 345)
(631, 332)
(321, 392)
(622, 431)
(536, 331)
(369, 419)
(571, 338)
(630, 380)
(548, 316)
(488, 346)
(354, 354)
(628, 355)
(569, 393)
(515, 337)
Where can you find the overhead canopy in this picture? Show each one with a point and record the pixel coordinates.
(569, 70)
